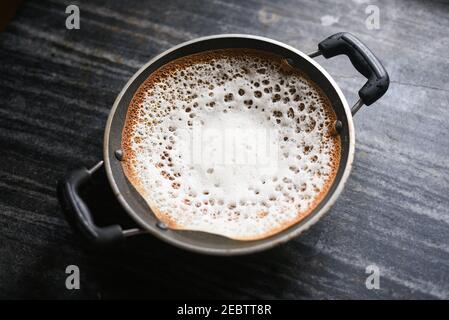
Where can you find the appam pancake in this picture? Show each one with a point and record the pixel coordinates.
(232, 142)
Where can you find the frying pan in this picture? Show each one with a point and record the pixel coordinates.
(79, 215)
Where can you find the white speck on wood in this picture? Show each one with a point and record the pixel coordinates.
(328, 20)
(266, 15)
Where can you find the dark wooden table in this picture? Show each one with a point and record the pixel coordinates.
(56, 89)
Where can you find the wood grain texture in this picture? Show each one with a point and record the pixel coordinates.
(56, 89)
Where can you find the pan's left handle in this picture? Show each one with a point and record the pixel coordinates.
(78, 213)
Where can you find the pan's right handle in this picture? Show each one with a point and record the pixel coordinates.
(363, 59)
(78, 213)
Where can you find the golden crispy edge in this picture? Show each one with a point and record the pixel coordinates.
(163, 72)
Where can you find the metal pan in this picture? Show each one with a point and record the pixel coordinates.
(79, 215)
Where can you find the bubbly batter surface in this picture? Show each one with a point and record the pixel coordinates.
(231, 142)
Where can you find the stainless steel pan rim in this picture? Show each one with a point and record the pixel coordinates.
(261, 246)
(78, 213)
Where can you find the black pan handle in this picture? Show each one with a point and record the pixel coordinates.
(362, 59)
(77, 212)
